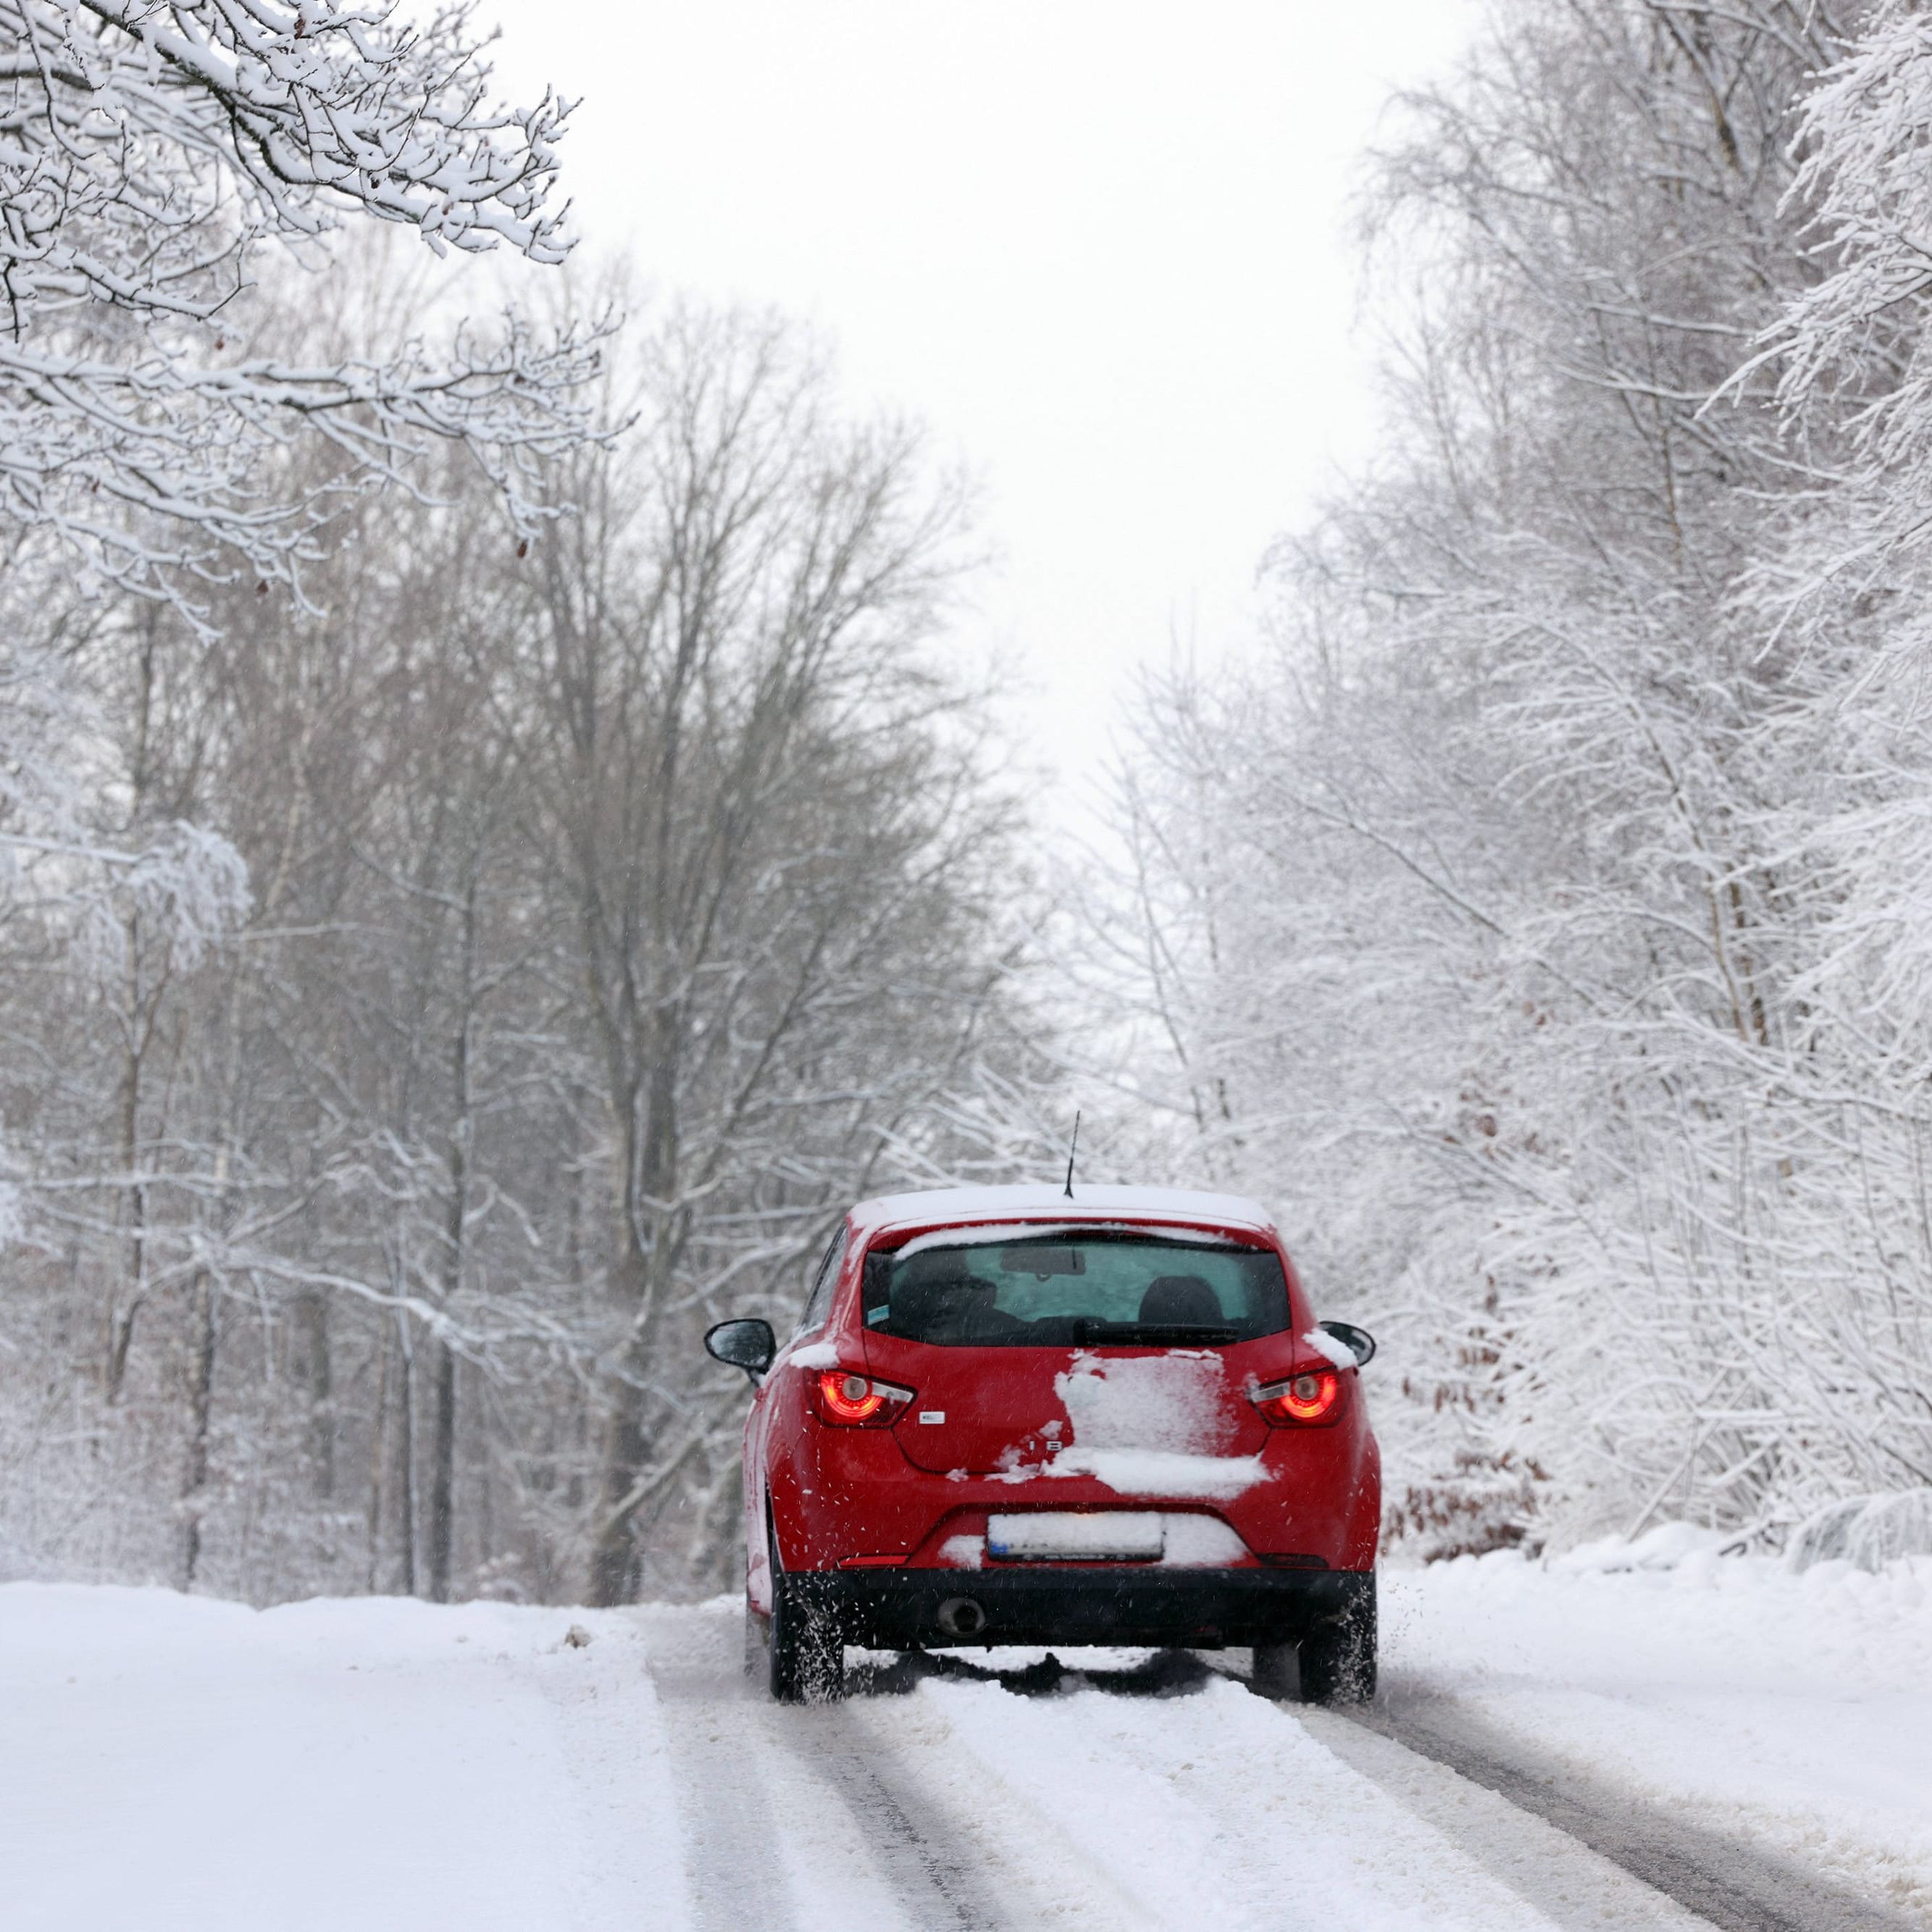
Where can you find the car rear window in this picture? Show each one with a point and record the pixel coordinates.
(1077, 1290)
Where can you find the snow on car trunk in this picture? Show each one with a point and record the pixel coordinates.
(1157, 1425)
(1175, 1402)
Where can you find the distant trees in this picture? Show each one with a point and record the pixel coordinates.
(175, 455)
(618, 907)
(498, 851)
(1542, 910)
(155, 160)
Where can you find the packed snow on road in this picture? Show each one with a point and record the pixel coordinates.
(170, 1761)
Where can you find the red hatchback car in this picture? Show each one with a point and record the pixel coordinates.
(1012, 1416)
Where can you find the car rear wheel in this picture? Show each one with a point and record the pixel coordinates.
(806, 1647)
(1337, 1657)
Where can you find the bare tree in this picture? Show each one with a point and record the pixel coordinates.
(759, 794)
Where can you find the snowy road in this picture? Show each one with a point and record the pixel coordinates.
(1165, 1794)
(174, 1763)
(1722, 1881)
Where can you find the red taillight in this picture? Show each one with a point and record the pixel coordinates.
(854, 1402)
(1313, 1395)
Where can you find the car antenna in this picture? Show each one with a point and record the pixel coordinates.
(1072, 1147)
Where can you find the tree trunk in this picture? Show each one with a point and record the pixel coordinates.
(405, 1457)
(442, 1474)
(318, 1371)
(137, 1020)
(456, 1233)
(121, 1313)
(614, 1560)
(201, 1406)
(651, 1163)
(378, 1446)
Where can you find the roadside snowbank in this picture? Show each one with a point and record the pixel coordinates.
(1793, 1710)
(174, 1762)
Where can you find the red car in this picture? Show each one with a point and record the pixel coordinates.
(1009, 1416)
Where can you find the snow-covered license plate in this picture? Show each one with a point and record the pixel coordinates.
(1043, 1535)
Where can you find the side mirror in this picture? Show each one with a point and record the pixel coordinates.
(748, 1345)
(1350, 1336)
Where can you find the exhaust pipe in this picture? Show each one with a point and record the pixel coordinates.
(960, 1616)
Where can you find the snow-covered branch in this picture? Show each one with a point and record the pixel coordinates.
(148, 153)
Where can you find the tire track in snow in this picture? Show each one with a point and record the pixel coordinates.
(1574, 1887)
(723, 1809)
(801, 1819)
(1208, 1806)
(1731, 1886)
(919, 1850)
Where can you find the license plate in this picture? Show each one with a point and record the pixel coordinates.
(1092, 1536)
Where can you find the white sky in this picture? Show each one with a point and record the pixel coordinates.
(1097, 244)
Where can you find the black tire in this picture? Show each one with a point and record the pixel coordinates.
(1338, 1657)
(807, 1647)
(1277, 1672)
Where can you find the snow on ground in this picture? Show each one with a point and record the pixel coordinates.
(174, 1762)
(1216, 1796)
(1793, 1710)
(169, 1762)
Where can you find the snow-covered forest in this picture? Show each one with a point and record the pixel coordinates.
(1540, 918)
(502, 842)
(497, 852)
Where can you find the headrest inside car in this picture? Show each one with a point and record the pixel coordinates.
(1181, 1301)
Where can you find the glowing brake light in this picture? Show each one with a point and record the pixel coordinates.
(1314, 1395)
(854, 1401)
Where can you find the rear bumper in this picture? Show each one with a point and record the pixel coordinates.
(898, 1609)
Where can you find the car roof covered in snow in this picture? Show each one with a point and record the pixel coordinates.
(962, 1206)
